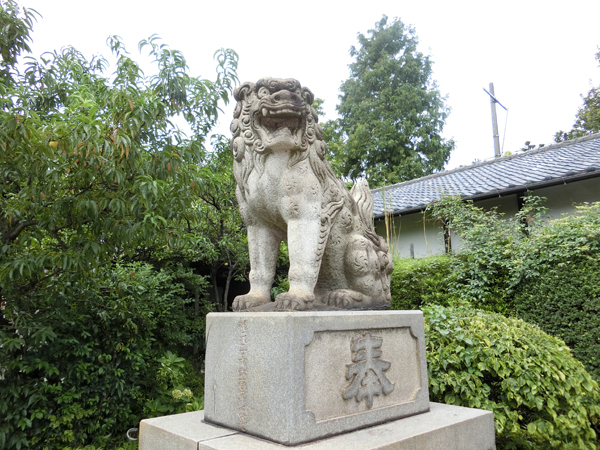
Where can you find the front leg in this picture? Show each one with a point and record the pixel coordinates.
(263, 248)
(304, 227)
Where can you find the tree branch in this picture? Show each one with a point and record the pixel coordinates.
(10, 237)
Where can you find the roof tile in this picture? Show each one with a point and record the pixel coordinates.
(543, 166)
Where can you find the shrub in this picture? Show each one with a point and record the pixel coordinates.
(496, 254)
(541, 396)
(565, 301)
(92, 361)
(543, 271)
(179, 388)
(417, 282)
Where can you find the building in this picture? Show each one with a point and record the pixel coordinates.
(566, 174)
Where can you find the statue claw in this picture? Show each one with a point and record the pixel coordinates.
(295, 302)
(247, 301)
(345, 299)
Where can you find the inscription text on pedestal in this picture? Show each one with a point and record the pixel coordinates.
(366, 374)
(242, 374)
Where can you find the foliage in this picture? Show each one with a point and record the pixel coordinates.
(14, 39)
(392, 113)
(541, 396)
(83, 364)
(529, 146)
(281, 282)
(419, 282)
(172, 394)
(496, 253)
(216, 240)
(92, 169)
(334, 137)
(280, 285)
(96, 182)
(544, 271)
(564, 301)
(588, 116)
(221, 228)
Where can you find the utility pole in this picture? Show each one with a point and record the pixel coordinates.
(493, 102)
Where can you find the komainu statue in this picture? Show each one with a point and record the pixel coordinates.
(287, 190)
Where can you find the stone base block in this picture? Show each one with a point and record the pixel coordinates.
(294, 377)
(444, 427)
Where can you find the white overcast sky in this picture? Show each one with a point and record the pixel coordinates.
(538, 54)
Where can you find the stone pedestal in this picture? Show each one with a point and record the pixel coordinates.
(352, 380)
(444, 427)
(294, 377)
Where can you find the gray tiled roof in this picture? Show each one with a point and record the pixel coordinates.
(553, 164)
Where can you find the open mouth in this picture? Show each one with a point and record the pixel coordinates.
(281, 120)
(281, 124)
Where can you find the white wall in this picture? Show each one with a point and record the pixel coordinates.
(403, 231)
(560, 199)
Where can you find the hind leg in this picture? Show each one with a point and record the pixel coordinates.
(365, 279)
(346, 299)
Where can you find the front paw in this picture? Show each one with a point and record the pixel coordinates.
(295, 302)
(247, 301)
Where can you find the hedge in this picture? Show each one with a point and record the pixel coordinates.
(565, 302)
(418, 282)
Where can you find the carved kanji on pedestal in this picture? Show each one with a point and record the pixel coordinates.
(366, 374)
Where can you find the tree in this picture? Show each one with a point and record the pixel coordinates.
(96, 183)
(221, 227)
(588, 116)
(216, 237)
(392, 113)
(529, 146)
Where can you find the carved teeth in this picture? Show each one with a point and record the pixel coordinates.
(280, 112)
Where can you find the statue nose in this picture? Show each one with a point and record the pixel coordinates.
(285, 96)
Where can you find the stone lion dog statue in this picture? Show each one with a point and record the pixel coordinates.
(287, 190)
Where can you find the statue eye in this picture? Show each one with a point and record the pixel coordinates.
(263, 92)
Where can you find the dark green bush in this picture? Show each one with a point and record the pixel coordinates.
(565, 301)
(90, 361)
(542, 397)
(417, 282)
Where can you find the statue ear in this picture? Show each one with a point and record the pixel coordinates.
(307, 96)
(241, 92)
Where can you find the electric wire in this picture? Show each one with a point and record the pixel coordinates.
(504, 134)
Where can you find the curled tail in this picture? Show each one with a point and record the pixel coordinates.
(364, 200)
(361, 194)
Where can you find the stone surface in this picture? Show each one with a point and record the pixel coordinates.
(287, 190)
(444, 427)
(293, 377)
